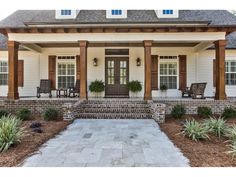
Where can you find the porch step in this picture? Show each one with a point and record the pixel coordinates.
(113, 109)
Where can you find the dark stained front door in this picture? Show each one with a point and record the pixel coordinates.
(117, 76)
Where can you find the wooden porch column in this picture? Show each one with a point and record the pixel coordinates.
(83, 69)
(220, 69)
(13, 48)
(147, 72)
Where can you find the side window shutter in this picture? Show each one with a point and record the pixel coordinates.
(52, 70)
(182, 72)
(154, 70)
(20, 73)
(214, 72)
(77, 67)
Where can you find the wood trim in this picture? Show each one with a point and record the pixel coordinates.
(182, 72)
(126, 29)
(20, 73)
(220, 69)
(77, 67)
(214, 72)
(52, 70)
(83, 70)
(13, 48)
(147, 64)
(154, 72)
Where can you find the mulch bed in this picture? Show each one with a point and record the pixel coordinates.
(31, 141)
(208, 153)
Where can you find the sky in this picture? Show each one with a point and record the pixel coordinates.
(4, 14)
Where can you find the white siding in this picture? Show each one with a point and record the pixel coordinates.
(199, 67)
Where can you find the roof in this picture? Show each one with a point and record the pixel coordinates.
(21, 18)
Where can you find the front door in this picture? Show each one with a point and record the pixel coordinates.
(117, 76)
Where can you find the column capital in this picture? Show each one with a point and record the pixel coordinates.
(220, 42)
(83, 43)
(13, 44)
(147, 43)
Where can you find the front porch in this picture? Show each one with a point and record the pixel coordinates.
(175, 59)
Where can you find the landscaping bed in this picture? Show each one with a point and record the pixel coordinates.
(31, 141)
(205, 153)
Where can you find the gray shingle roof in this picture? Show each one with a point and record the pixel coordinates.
(215, 17)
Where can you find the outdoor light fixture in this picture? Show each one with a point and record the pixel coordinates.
(95, 62)
(138, 62)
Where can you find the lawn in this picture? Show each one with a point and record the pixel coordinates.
(204, 153)
(31, 141)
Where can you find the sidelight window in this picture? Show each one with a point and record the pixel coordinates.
(3, 72)
(230, 72)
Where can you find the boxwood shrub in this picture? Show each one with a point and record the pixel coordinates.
(178, 111)
(229, 113)
(204, 111)
(24, 114)
(50, 114)
(3, 112)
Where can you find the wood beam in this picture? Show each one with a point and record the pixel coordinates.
(148, 63)
(202, 46)
(83, 69)
(13, 48)
(32, 47)
(220, 69)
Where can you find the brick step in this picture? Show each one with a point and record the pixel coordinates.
(112, 110)
(113, 105)
(112, 116)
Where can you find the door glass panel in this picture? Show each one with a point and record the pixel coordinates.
(123, 71)
(111, 73)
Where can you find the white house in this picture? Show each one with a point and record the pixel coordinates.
(156, 47)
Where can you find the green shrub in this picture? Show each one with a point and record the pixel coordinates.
(163, 88)
(24, 114)
(3, 113)
(216, 126)
(11, 132)
(230, 133)
(195, 130)
(204, 111)
(134, 86)
(232, 150)
(97, 86)
(229, 113)
(50, 114)
(178, 111)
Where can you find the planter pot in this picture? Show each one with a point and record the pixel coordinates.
(164, 94)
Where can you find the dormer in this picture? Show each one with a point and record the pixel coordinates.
(116, 13)
(66, 14)
(167, 13)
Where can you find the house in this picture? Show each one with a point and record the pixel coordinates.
(156, 47)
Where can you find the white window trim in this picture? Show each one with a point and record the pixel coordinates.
(229, 59)
(160, 14)
(5, 60)
(73, 15)
(109, 14)
(67, 61)
(168, 61)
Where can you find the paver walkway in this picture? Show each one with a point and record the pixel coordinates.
(109, 143)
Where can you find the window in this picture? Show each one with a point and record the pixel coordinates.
(3, 72)
(116, 12)
(168, 74)
(167, 12)
(65, 71)
(230, 74)
(65, 12)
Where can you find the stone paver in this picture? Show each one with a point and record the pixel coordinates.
(97, 143)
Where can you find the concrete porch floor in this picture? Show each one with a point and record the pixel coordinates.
(109, 143)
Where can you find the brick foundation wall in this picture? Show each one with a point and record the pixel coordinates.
(37, 107)
(191, 106)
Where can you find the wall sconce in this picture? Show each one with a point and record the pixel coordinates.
(138, 62)
(95, 62)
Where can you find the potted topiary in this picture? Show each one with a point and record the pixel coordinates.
(97, 87)
(135, 87)
(163, 89)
